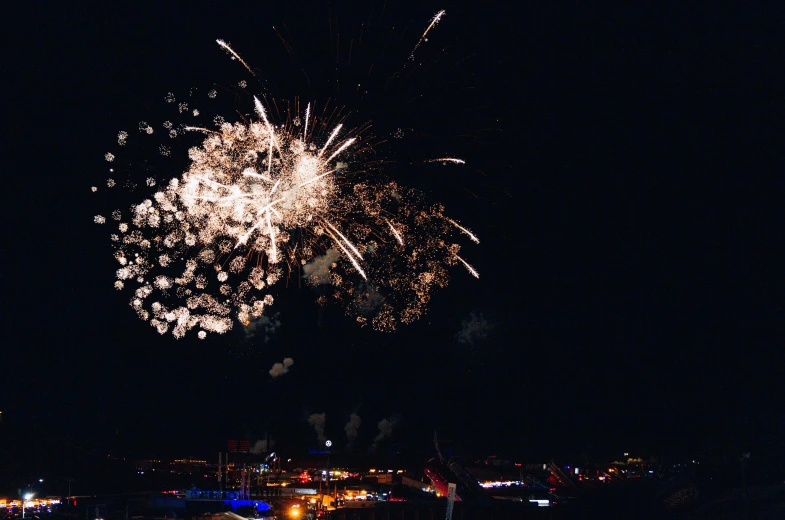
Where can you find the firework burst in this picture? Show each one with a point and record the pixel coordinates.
(263, 201)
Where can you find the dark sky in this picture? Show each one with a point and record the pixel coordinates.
(626, 182)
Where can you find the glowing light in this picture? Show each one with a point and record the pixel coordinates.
(307, 116)
(464, 231)
(448, 159)
(351, 258)
(329, 139)
(468, 267)
(343, 147)
(395, 232)
(237, 56)
(437, 17)
(351, 246)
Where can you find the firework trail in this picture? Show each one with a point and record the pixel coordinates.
(395, 232)
(305, 130)
(262, 200)
(468, 267)
(465, 231)
(225, 45)
(437, 17)
(447, 159)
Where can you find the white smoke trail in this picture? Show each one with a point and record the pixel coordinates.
(385, 431)
(317, 420)
(351, 428)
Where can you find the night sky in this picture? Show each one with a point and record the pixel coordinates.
(624, 172)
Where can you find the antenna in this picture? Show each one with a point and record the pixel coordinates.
(436, 444)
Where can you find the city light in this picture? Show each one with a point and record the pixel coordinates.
(501, 483)
(505, 483)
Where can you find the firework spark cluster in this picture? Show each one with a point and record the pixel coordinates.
(262, 202)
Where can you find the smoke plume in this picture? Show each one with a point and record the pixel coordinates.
(473, 329)
(317, 421)
(368, 298)
(263, 326)
(317, 272)
(385, 431)
(351, 428)
(261, 446)
(280, 369)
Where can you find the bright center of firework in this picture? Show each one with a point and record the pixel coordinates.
(251, 182)
(307, 168)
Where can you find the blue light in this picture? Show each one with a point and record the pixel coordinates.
(235, 503)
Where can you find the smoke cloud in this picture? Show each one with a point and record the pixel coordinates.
(385, 431)
(351, 428)
(473, 329)
(263, 326)
(317, 272)
(317, 421)
(280, 369)
(261, 446)
(368, 298)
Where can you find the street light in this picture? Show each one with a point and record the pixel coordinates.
(327, 477)
(25, 499)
